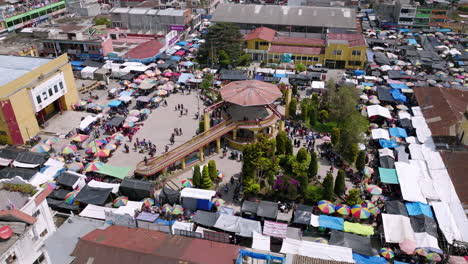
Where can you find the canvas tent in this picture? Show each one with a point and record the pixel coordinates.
(32, 158)
(397, 228)
(396, 208)
(205, 218)
(249, 207)
(168, 195)
(61, 205)
(193, 198)
(25, 174)
(267, 209)
(359, 244)
(58, 194)
(377, 110)
(247, 227)
(70, 179)
(317, 250)
(136, 190)
(260, 242)
(93, 195)
(423, 224)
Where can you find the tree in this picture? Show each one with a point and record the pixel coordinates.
(212, 170)
(300, 68)
(352, 131)
(244, 60)
(354, 197)
(259, 161)
(222, 36)
(101, 21)
(251, 188)
(313, 116)
(196, 178)
(289, 147)
(350, 154)
(313, 194)
(305, 106)
(313, 165)
(340, 184)
(293, 107)
(335, 136)
(207, 81)
(328, 187)
(361, 160)
(223, 58)
(301, 155)
(281, 139)
(323, 116)
(205, 180)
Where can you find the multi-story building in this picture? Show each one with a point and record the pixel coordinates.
(435, 12)
(31, 91)
(405, 13)
(86, 8)
(25, 14)
(28, 222)
(334, 50)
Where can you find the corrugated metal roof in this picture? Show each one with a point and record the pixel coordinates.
(146, 50)
(286, 15)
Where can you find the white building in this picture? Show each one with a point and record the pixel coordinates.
(31, 222)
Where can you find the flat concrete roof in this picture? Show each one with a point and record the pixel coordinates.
(330, 17)
(13, 67)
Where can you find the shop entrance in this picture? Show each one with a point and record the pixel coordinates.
(49, 111)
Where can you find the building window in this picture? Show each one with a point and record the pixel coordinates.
(11, 259)
(356, 53)
(40, 259)
(354, 63)
(264, 43)
(56, 88)
(61, 85)
(44, 96)
(43, 233)
(50, 92)
(38, 212)
(38, 99)
(293, 57)
(336, 52)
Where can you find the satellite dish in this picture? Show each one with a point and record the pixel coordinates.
(5, 232)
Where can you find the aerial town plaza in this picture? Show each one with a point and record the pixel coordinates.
(237, 132)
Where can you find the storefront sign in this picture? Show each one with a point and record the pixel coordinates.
(177, 27)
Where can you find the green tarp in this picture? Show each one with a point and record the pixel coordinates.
(365, 230)
(116, 172)
(388, 176)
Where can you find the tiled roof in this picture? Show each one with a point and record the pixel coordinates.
(262, 33)
(299, 41)
(41, 197)
(295, 50)
(457, 166)
(146, 50)
(118, 244)
(442, 108)
(17, 215)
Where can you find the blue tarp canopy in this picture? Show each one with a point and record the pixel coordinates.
(259, 77)
(115, 103)
(184, 77)
(188, 64)
(397, 95)
(363, 259)
(399, 86)
(370, 55)
(388, 143)
(419, 208)
(367, 84)
(398, 132)
(331, 222)
(182, 43)
(359, 73)
(164, 222)
(76, 63)
(445, 30)
(280, 75)
(412, 41)
(404, 30)
(257, 255)
(195, 46)
(175, 58)
(127, 93)
(171, 51)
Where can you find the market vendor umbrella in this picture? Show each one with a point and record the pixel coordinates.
(364, 97)
(145, 111)
(134, 112)
(50, 185)
(92, 150)
(70, 197)
(157, 72)
(96, 143)
(69, 149)
(362, 107)
(79, 138)
(131, 119)
(125, 82)
(374, 189)
(373, 126)
(82, 103)
(326, 138)
(161, 92)
(434, 257)
(103, 153)
(110, 147)
(177, 209)
(166, 86)
(187, 183)
(147, 202)
(320, 240)
(99, 108)
(50, 141)
(374, 100)
(360, 212)
(326, 207)
(374, 211)
(41, 148)
(128, 124)
(118, 137)
(343, 209)
(368, 171)
(402, 107)
(93, 166)
(219, 175)
(166, 208)
(422, 252)
(387, 253)
(218, 202)
(389, 107)
(120, 201)
(367, 204)
(408, 246)
(156, 99)
(75, 166)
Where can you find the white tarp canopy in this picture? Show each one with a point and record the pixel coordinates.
(416, 111)
(24, 165)
(424, 240)
(88, 72)
(136, 68)
(318, 85)
(229, 223)
(424, 180)
(314, 220)
(403, 115)
(54, 163)
(386, 152)
(182, 226)
(87, 121)
(397, 228)
(96, 212)
(408, 176)
(377, 110)
(48, 174)
(247, 227)
(380, 133)
(129, 208)
(5, 162)
(317, 250)
(98, 184)
(416, 151)
(260, 241)
(125, 98)
(265, 70)
(197, 193)
(411, 140)
(446, 221)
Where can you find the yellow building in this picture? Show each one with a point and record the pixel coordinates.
(31, 91)
(335, 51)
